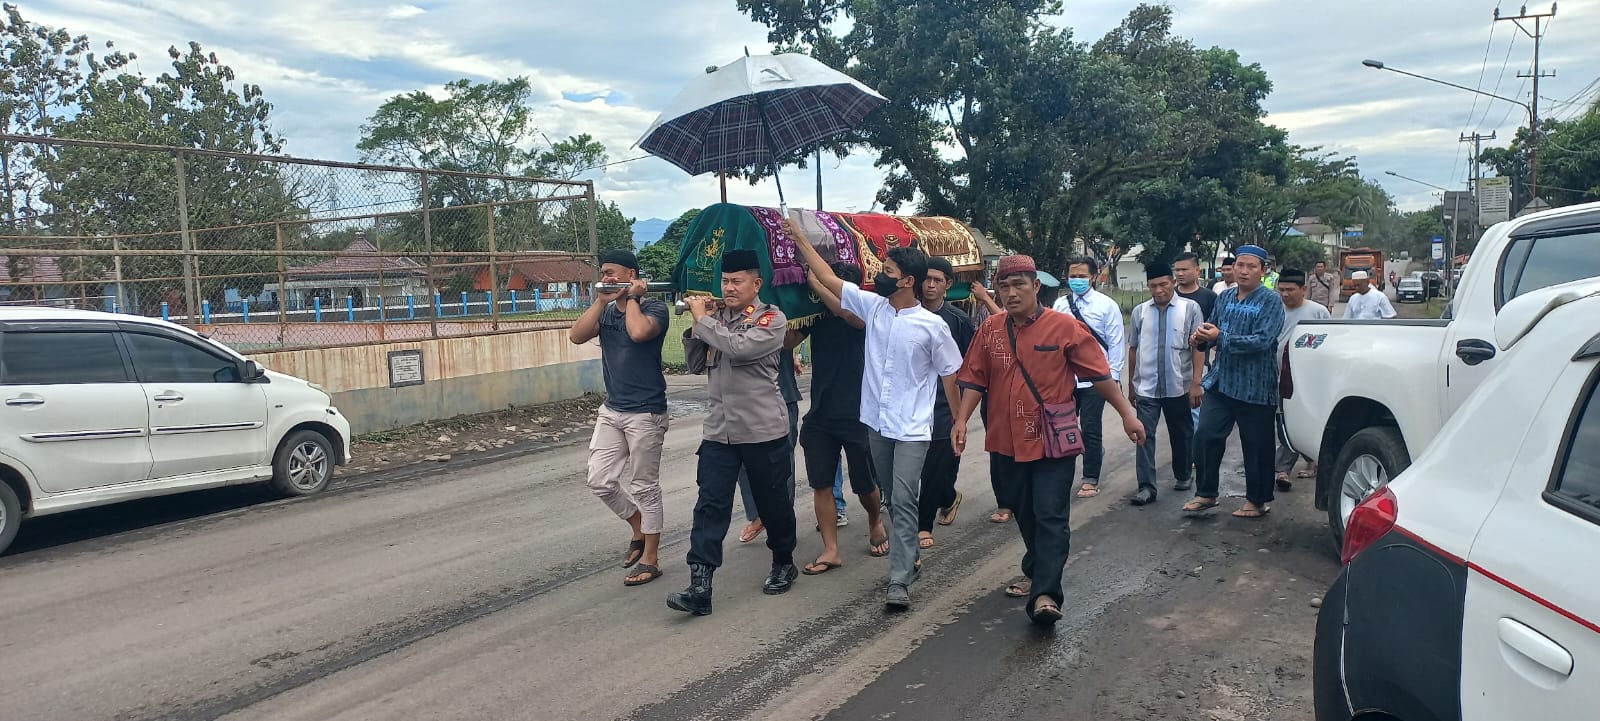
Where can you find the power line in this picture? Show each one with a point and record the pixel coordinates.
(1487, 46)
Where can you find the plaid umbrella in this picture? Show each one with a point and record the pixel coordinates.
(756, 110)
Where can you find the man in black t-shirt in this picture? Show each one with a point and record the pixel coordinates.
(939, 469)
(625, 451)
(1186, 271)
(833, 424)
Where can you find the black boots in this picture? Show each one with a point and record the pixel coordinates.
(695, 599)
(781, 578)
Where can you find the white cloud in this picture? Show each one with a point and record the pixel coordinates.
(326, 67)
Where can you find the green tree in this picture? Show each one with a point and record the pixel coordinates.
(613, 230)
(657, 259)
(193, 105)
(1569, 161)
(1299, 253)
(1001, 118)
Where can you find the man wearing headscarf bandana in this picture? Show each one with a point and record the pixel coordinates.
(1242, 386)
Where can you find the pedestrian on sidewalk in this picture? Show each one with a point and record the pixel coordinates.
(1241, 387)
(1165, 372)
(1292, 289)
(1103, 317)
(909, 354)
(631, 425)
(1367, 303)
(833, 424)
(1027, 362)
(1322, 287)
(739, 347)
(940, 500)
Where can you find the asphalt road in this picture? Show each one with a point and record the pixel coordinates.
(492, 590)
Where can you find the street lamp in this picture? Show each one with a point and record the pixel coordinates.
(1533, 122)
(1414, 180)
(1455, 220)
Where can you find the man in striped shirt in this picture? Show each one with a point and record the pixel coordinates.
(1242, 386)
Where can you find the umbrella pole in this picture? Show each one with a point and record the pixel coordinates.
(819, 177)
(722, 179)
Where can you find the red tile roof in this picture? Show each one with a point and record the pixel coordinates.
(555, 271)
(40, 270)
(359, 258)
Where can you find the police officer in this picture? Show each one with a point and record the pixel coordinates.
(739, 347)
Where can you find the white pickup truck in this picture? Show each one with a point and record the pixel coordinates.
(1365, 397)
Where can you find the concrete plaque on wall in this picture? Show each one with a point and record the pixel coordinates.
(405, 368)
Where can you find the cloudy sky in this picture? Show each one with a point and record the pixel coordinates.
(606, 67)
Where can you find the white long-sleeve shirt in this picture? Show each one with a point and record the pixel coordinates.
(1104, 317)
(1371, 305)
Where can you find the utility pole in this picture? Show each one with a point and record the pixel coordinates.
(1533, 109)
(1474, 173)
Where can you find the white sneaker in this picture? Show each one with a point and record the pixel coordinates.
(843, 521)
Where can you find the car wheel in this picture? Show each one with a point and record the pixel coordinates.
(303, 465)
(1369, 460)
(10, 515)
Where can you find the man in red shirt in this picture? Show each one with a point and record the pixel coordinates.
(1057, 352)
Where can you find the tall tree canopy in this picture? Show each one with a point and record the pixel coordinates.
(1001, 118)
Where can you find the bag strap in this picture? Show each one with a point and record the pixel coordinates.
(1072, 302)
(1011, 332)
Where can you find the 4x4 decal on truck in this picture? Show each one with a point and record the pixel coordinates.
(1310, 340)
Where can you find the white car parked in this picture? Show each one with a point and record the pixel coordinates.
(101, 408)
(1470, 590)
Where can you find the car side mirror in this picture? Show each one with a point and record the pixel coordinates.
(252, 372)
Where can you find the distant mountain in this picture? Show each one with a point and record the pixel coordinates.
(649, 231)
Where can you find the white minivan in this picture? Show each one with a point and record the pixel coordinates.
(103, 407)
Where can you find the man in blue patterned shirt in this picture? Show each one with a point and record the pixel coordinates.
(1242, 386)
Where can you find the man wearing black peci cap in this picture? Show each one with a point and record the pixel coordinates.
(739, 347)
(625, 451)
(1165, 372)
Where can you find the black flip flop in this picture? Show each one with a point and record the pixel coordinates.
(872, 547)
(635, 552)
(826, 567)
(1046, 616)
(654, 572)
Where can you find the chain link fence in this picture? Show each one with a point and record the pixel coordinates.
(268, 252)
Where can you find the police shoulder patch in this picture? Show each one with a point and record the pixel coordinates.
(766, 319)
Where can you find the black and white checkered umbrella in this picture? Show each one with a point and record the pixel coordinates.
(756, 110)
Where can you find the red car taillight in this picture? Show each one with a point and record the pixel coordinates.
(1371, 520)
(1285, 381)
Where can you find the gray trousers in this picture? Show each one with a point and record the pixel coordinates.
(898, 465)
(1180, 435)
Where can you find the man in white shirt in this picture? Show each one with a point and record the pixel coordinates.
(1104, 318)
(1166, 372)
(1296, 308)
(909, 354)
(1368, 303)
(1227, 277)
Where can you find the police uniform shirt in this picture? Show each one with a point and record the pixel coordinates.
(739, 351)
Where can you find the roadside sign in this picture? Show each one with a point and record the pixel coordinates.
(1494, 200)
(1438, 248)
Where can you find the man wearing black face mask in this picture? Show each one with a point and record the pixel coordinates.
(909, 353)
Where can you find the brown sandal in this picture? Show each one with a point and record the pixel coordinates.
(1197, 505)
(1020, 589)
(649, 572)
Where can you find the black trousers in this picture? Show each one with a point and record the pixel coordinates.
(1218, 414)
(1091, 412)
(768, 465)
(939, 472)
(1044, 491)
(821, 442)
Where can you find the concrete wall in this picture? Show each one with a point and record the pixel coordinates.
(465, 375)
